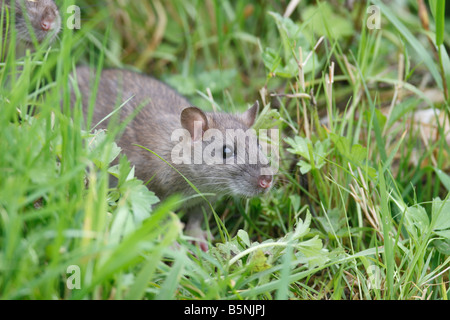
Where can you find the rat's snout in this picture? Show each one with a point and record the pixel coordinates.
(265, 181)
(48, 19)
(46, 24)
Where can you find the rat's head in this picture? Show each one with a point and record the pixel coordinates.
(225, 156)
(38, 16)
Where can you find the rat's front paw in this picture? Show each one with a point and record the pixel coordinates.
(201, 237)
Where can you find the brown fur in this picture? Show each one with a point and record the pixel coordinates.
(153, 127)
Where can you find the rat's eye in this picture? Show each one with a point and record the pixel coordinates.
(227, 152)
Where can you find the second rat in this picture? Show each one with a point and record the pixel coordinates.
(39, 19)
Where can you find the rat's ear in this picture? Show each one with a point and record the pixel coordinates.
(249, 116)
(194, 120)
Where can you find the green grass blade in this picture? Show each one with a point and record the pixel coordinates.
(445, 178)
(440, 21)
(173, 278)
(386, 222)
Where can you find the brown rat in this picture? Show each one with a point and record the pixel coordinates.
(41, 15)
(165, 114)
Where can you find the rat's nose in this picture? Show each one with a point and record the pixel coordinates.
(46, 25)
(265, 181)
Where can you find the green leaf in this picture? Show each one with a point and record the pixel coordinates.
(274, 64)
(290, 29)
(258, 261)
(140, 200)
(325, 22)
(313, 250)
(267, 119)
(353, 153)
(301, 146)
(444, 234)
(271, 59)
(441, 214)
(302, 227)
(243, 236)
(332, 223)
(225, 251)
(135, 200)
(445, 178)
(295, 202)
(443, 246)
(305, 167)
(292, 38)
(122, 171)
(96, 147)
(417, 217)
(358, 153)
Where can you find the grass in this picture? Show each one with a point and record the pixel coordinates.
(360, 209)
